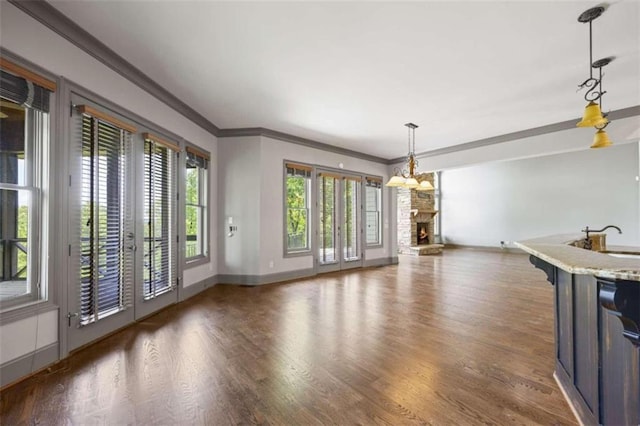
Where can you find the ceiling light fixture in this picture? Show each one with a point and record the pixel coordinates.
(404, 178)
(593, 115)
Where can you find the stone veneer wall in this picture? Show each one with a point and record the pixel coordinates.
(409, 199)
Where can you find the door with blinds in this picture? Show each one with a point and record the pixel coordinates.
(101, 226)
(339, 225)
(123, 225)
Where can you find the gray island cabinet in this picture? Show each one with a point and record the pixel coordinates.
(597, 326)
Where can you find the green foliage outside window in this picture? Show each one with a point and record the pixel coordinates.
(23, 232)
(192, 211)
(297, 212)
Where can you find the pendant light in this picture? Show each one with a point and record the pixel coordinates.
(593, 115)
(404, 178)
(601, 139)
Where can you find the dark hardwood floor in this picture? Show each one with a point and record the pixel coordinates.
(461, 338)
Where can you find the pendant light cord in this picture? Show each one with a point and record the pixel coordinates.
(590, 50)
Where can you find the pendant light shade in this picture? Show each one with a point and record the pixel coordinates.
(601, 140)
(592, 116)
(395, 181)
(425, 185)
(411, 182)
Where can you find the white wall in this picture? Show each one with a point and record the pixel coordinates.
(239, 190)
(27, 38)
(23, 336)
(520, 199)
(251, 190)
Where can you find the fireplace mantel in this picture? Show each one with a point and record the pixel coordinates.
(416, 212)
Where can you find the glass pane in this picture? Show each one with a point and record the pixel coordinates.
(296, 192)
(14, 243)
(102, 228)
(192, 182)
(158, 269)
(297, 229)
(12, 142)
(297, 213)
(193, 245)
(373, 227)
(327, 219)
(372, 206)
(350, 225)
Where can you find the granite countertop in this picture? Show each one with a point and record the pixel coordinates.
(558, 251)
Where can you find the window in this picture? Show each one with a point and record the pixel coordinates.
(106, 228)
(373, 211)
(24, 140)
(159, 257)
(297, 218)
(196, 216)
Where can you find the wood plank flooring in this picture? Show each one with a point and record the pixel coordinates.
(461, 338)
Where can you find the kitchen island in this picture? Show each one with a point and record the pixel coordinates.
(597, 326)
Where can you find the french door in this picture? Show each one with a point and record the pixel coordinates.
(122, 251)
(339, 223)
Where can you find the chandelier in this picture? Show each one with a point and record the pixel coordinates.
(593, 115)
(404, 178)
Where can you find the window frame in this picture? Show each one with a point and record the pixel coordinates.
(40, 137)
(308, 250)
(380, 242)
(204, 194)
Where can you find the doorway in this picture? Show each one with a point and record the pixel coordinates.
(339, 223)
(122, 226)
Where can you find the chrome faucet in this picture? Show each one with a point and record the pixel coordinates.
(587, 241)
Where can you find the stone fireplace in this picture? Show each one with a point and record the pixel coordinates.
(416, 215)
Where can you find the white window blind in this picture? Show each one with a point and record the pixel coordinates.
(106, 228)
(159, 258)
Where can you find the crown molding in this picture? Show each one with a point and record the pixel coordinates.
(55, 20)
(535, 131)
(286, 137)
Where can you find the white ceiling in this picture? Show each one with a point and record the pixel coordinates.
(352, 73)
